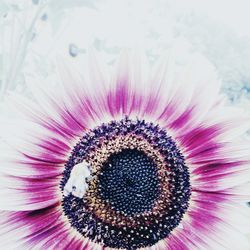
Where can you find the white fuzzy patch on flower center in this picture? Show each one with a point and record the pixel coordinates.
(77, 182)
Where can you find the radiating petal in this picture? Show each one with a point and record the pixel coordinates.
(194, 90)
(21, 194)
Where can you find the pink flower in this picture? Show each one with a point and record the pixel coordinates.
(168, 167)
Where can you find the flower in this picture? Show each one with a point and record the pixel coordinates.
(135, 160)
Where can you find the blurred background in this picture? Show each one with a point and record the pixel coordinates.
(35, 32)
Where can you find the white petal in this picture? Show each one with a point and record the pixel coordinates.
(194, 87)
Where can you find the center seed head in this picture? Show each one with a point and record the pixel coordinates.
(140, 190)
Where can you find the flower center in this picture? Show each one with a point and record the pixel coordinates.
(139, 189)
(129, 182)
